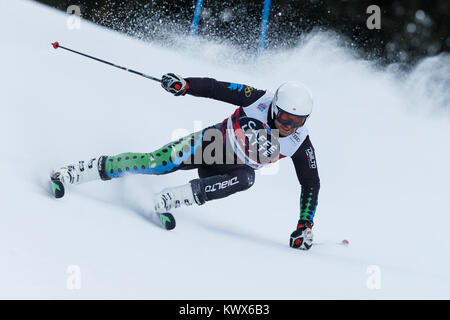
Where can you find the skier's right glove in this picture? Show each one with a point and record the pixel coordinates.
(174, 84)
(302, 238)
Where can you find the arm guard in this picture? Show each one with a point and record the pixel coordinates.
(236, 94)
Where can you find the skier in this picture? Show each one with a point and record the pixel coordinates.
(229, 168)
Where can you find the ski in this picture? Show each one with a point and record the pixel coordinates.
(57, 186)
(167, 220)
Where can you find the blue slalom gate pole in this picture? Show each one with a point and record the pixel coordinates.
(196, 19)
(264, 26)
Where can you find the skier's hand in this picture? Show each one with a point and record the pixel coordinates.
(302, 238)
(174, 84)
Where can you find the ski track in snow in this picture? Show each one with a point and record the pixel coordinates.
(382, 150)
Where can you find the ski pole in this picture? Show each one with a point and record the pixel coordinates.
(56, 46)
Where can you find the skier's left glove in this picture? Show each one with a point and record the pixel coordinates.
(302, 238)
(174, 84)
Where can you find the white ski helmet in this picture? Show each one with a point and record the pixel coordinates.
(292, 97)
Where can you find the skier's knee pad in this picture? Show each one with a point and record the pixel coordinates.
(222, 185)
(246, 176)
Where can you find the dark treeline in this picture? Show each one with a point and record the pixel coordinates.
(409, 29)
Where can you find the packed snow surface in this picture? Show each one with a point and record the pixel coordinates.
(381, 138)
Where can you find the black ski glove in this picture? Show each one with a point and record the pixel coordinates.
(174, 84)
(302, 238)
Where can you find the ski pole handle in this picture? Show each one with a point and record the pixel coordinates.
(56, 46)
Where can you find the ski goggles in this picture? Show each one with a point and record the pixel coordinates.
(290, 120)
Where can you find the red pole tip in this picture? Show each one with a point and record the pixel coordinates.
(55, 45)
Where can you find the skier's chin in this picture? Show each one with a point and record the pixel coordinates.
(284, 131)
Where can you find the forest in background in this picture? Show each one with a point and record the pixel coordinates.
(409, 29)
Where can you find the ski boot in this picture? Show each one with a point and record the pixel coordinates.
(84, 171)
(175, 197)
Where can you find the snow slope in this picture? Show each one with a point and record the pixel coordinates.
(381, 137)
